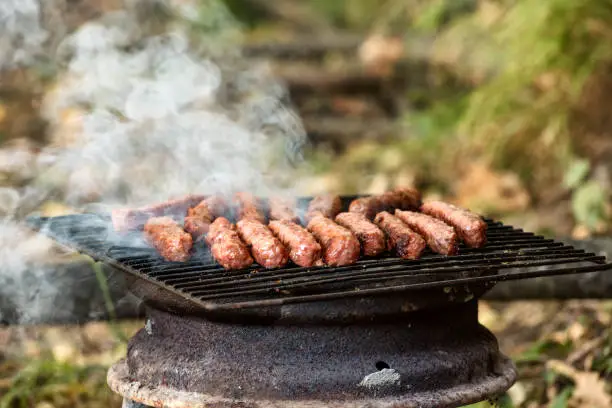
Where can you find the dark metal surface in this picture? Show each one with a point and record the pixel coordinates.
(422, 359)
(201, 287)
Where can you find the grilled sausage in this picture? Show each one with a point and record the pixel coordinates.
(168, 238)
(469, 226)
(372, 239)
(226, 246)
(400, 198)
(217, 227)
(406, 243)
(282, 209)
(267, 250)
(326, 205)
(249, 207)
(127, 219)
(199, 218)
(304, 250)
(340, 247)
(440, 236)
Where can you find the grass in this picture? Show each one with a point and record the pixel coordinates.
(62, 384)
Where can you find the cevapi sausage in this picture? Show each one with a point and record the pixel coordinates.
(399, 198)
(267, 250)
(282, 209)
(304, 250)
(371, 238)
(326, 205)
(168, 238)
(406, 243)
(471, 227)
(440, 237)
(226, 246)
(340, 247)
(248, 207)
(131, 219)
(199, 218)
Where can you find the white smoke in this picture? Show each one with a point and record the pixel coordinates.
(22, 37)
(154, 116)
(26, 289)
(160, 118)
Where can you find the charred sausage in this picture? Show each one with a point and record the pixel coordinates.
(127, 219)
(371, 238)
(469, 226)
(267, 250)
(400, 198)
(282, 209)
(304, 250)
(326, 205)
(340, 247)
(168, 238)
(440, 237)
(406, 243)
(226, 246)
(248, 207)
(199, 218)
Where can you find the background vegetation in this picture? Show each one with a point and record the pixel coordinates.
(499, 105)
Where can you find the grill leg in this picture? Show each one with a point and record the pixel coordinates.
(131, 404)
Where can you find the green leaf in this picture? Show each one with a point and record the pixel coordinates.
(561, 400)
(431, 17)
(545, 348)
(588, 204)
(576, 173)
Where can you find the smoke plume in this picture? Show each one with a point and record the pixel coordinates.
(153, 101)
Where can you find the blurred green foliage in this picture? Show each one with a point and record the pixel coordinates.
(528, 62)
(520, 122)
(62, 384)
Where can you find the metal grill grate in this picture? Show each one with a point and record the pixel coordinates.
(510, 254)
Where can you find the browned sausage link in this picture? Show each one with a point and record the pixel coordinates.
(304, 250)
(248, 207)
(282, 209)
(267, 250)
(399, 198)
(406, 243)
(199, 218)
(226, 246)
(326, 205)
(131, 219)
(340, 247)
(168, 238)
(440, 237)
(218, 226)
(372, 239)
(471, 227)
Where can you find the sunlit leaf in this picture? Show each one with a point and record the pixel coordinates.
(562, 399)
(588, 204)
(576, 173)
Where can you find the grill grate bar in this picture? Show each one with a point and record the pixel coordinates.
(476, 260)
(510, 254)
(401, 288)
(152, 258)
(369, 277)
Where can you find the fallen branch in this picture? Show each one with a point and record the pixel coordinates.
(341, 131)
(315, 81)
(305, 48)
(578, 355)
